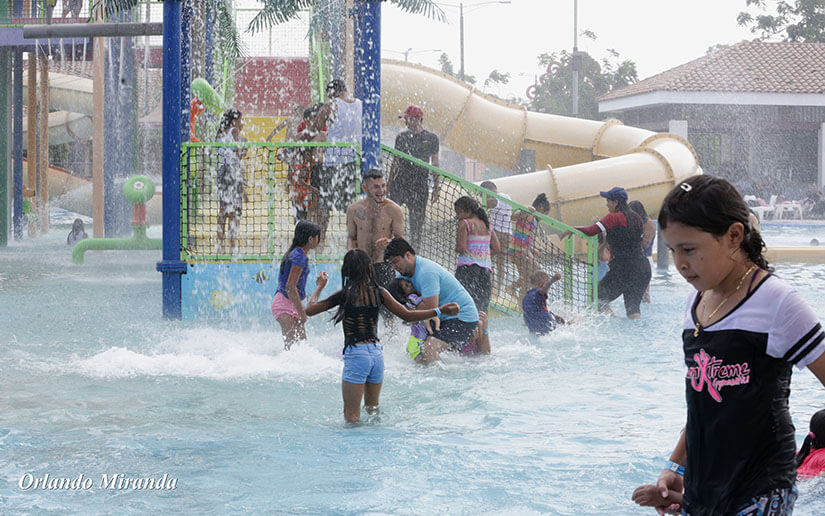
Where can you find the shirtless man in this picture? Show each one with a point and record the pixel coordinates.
(372, 222)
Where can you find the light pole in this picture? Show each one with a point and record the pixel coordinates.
(411, 51)
(577, 61)
(461, 26)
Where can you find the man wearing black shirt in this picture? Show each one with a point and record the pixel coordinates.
(408, 182)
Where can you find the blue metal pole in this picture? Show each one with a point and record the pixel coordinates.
(171, 266)
(17, 152)
(185, 73)
(368, 79)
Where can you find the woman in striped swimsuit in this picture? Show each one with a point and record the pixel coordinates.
(475, 242)
(521, 251)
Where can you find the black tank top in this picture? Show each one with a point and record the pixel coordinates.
(360, 320)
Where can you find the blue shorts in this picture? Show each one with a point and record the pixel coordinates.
(778, 502)
(364, 363)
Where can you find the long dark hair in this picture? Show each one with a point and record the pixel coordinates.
(711, 204)
(304, 230)
(229, 116)
(634, 219)
(469, 204)
(356, 280)
(815, 438)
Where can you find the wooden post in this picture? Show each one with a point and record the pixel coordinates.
(98, 93)
(31, 130)
(44, 143)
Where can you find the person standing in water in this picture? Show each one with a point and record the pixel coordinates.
(475, 243)
(287, 307)
(629, 273)
(372, 222)
(77, 233)
(358, 304)
(743, 331)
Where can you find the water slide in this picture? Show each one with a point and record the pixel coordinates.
(576, 158)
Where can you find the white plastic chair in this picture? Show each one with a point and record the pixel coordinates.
(761, 211)
(793, 207)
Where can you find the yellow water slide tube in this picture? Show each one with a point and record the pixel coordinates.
(576, 158)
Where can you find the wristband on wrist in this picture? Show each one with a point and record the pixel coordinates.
(676, 468)
(438, 312)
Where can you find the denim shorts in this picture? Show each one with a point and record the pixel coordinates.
(364, 363)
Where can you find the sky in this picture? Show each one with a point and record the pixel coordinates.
(656, 34)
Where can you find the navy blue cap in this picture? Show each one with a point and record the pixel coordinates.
(617, 193)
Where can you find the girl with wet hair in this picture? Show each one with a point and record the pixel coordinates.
(358, 304)
(521, 251)
(810, 461)
(287, 307)
(475, 245)
(742, 332)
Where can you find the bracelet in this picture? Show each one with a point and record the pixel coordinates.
(485, 332)
(676, 468)
(438, 312)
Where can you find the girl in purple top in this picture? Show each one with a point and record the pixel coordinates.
(292, 279)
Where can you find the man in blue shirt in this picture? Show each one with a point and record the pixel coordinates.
(540, 320)
(436, 286)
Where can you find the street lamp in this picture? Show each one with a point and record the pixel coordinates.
(577, 61)
(411, 51)
(461, 25)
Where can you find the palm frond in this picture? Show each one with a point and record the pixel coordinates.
(426, 7)
(230, 38)
(275, 12)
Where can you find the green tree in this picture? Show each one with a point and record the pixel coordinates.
(797, 20)
(552, 92)
(447, 67)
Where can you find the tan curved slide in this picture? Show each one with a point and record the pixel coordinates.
(578, 157)
(71, 99)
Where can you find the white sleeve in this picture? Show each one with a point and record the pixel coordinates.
(795, 335)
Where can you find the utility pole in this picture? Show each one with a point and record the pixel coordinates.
(577, 61)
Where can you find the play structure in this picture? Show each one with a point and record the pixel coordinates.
(574, 159)
(138, 190)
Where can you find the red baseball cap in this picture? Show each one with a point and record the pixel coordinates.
(412, 111)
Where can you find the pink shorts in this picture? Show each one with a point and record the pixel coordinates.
(282, 305)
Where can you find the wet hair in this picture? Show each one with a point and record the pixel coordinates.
(356, 280)
(815, 438)
(335, 87)
(711, 204)
(470, 205)
(541, 202)
(304, 230)
(372, 173)
(77, 225)
(639, 209)
(229, 116)
(397, 247)
(538, 277)
(489, 185)
(396, 291)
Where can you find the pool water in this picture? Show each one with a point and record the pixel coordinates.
(95, 383)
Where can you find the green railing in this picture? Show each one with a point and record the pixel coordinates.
(579, 270)
(268, 216)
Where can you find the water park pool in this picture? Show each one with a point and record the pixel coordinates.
(96, 384)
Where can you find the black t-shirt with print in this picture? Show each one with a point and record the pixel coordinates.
(740, 437)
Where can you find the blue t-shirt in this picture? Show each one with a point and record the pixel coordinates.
(538, 318)
(431, 279)
(296, 257)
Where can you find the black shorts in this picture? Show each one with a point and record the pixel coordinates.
(478, 282)
(456, 333)
(382, 273)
